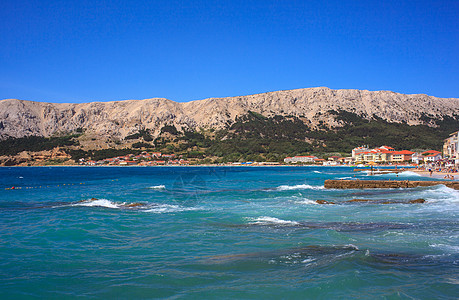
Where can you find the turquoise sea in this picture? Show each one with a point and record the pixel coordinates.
(222, 232)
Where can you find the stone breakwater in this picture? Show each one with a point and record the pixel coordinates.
(384, 184)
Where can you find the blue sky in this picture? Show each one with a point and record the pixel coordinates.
(81, 51)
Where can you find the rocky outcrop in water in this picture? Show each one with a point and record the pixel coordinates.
(384, 184)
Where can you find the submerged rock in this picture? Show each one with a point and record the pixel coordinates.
(304, 255)
(324, 202)
(420, 200)
(137, 204)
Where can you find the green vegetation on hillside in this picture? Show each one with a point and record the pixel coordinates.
(376, 132)
(260, 138)
(101, 154)
(13, 146)
(144, 134)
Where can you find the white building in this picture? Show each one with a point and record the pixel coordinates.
(417, 158)
(434, 157)
(297, 159)
(451, 147)
(358, 150)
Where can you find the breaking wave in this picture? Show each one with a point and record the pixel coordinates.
(448, 248)
(401, 174)
(440, 193)
(168, 208)
(306, 201)
(271, 221)
(158, 187)
(299, 187)
(99, 203)
(145, 207)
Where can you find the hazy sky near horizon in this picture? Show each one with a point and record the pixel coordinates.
(81, 51)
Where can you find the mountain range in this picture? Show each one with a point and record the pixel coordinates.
(118, 119)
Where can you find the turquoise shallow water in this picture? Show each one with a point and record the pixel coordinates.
(225, 232)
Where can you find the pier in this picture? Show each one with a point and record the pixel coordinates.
(385, 184)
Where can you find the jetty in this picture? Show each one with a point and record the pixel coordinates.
(385, 184)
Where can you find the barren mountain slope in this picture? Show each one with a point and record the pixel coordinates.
(117, 119)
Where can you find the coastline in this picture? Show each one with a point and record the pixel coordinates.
(437, 175)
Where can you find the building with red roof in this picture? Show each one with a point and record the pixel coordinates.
(383, 154)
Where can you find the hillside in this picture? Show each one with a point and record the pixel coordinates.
(119, 119)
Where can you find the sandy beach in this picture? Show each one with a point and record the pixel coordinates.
(438, 175)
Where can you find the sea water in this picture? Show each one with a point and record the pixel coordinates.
(222, 232)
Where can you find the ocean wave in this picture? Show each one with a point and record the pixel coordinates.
(169, 208)
(158, 187)
(409, 173)
(99, 203)
(440, 193)
(401, 174)
(299, 187)
(448, 248)
(306, 201)
(271, 221)
(145, 207)
(317, 172)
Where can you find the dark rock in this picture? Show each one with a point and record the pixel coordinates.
(134, 204)
(324, 202)
(417, 201)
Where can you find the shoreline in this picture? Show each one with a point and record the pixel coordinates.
(437, 175)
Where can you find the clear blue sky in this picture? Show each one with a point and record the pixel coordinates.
(80, 51)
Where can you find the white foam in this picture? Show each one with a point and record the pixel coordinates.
(306, 201)
(299, 187)
(158, 187)
(401, 174)
(448, 248)
(271, 221)
(168, 208)
(440, 193)
(99, 203)
(409, 173)
(317, 172)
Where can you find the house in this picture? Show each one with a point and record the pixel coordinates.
(358, 150)
(381, 154)
(434, 157)
(385, 148)
(417, 158)
(430, 152)
(348, 160)
(399, 156)
(334, 158)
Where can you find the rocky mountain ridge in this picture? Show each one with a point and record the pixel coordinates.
(19, 118)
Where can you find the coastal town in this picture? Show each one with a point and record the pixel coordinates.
(362, 155)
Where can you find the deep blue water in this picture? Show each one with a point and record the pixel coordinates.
(224, 232)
